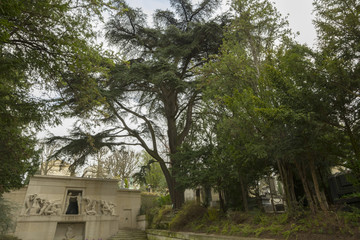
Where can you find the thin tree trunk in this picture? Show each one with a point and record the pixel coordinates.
(285, 181)
(288, 181)
(306, 187)
(258, 198)
(244, 194)
(271, 195)
(323, 204)
(222, 203)
(292, 187)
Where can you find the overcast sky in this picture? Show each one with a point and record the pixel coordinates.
(299, 14)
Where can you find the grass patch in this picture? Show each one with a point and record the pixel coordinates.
(298, 225)
(330, 225)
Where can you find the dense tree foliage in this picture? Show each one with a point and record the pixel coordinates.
(42, 43)
(339, 49)
(278, 106)
(155, 86)
(236, 87)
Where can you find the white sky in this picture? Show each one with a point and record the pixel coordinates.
(299, 16)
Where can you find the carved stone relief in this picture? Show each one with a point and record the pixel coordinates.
(107, 208)
(36, 205)
(90, 208)
(29, 202)
(69, 233)
(41, 206)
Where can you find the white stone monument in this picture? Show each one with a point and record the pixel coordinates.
(62, 208)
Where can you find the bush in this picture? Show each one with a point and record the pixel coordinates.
(6, 220)
(212, 215)
(163, 200)
(160, 220)
(148, 201)
(238, 217)
(190, 212)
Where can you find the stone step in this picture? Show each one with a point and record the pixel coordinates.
(127, 234)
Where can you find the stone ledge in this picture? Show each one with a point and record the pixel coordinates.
(168, 235)
(35, 177)
(66, 218)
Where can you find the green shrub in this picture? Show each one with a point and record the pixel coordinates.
(275, 229)
(159, 220)
(197, 226)
(293, 230)
(189, 213)
(213, 229)
(246, 229)
(262, 219)
(259, 231)
(353, 217)
(282, 218)
(148, 202)
(163, 200)
(212, 215)
(6, 220)
(234, 229)
(225, 228)
(238, 217)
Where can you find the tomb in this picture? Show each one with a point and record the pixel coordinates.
(59, 207)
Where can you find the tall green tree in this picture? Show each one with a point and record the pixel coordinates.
(156, 85)
(236, 88)
(264, 86)
(301, 139)
(41, 43)
(337, 24)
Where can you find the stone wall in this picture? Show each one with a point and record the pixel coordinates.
(168, 235)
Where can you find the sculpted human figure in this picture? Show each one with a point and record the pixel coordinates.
(112, 208)
(52, 208)
(29, 202)
(90, 208)
(105, 208)
(44, 205)
(40, 204)
(69, 233)
(79, 200)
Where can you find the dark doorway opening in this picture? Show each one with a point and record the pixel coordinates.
(73, 201)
